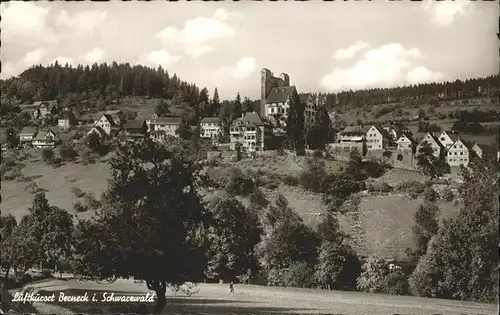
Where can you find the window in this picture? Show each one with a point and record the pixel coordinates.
(461, 153)
(455, 153)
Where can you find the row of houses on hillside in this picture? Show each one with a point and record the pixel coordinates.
(41, 109)
(39, 138)
(398, 137)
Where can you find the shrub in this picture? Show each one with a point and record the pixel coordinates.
(91, 201)
(314, 176)
(79, 207)
(412, 187)
(374, 168)
(298, 274)
(67, 152)
(290, 180)
(387, 154)
(430, 194)
(239, 183)
(77, 192)
(373, 275)
(400, 157)
(48, 155)
(447, 194)
(396, 283)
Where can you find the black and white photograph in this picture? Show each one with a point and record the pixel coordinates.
(250, 157)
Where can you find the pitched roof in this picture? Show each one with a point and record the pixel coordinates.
(433, 137)
(28, 130)
(110, 119)
(206, 120)
(168, 121)
(249, 119)
(380, 129)
(99, 130)
(134, 124)
(40, 135)
(486, 148)
(280, 94)
(354, 130)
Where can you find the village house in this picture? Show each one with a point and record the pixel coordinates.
(433, 142)
(252, 132)
(150, 119)
(377, 138)
(46, 138)
(447, 138)
(458, 154)
(211, 128)
(353, 134)
(107, 124)
(67, 120)
(117, 116)
(167, 124)
(99, 131)
(45, 108)
(26, 135)
(135, 128)
(484, 151)
(31, 110)
(404, 143)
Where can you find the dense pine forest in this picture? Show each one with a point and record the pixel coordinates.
(114, 81)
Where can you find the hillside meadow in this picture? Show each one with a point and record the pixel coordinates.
(380, 225)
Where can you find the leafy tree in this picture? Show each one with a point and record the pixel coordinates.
(161, 108)
(67, 152)
(247, 105)
(314, 176)
(93, 142)
(288, 239)
(48, 155)
(338, 264)
(152, 193)
(232, 240)
(295, 124)
(12, 139)
(338, 189)
(449, 271)
(258, 200)
(297, 274)
(426, 226)
(239, 183)
(430, 194)
(373, 275)
(429, 164)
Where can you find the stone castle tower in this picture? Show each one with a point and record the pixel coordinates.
(267, 83)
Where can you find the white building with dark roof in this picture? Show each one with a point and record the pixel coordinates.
(211, 128)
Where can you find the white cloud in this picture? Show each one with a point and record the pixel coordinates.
(244, 68)
(25, 19)
(95, 55)
(350, 52)
(159, 57)
(34, 57)
(198, 35)
(385, 66)
(444, 12)
(423, 75)
(80, 24)
(223, 14)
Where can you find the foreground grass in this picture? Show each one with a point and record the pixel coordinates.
(251, 299)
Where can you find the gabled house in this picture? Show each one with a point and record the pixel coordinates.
(151, 118)
(26, 135)
(277, 104)
(353, 134)
(31, 110)
(99, 131)
(458, 153)
(433, 142)
(117, 116)
(135, 128)
(252, 132)
(107, 124)
(46, 138)
(404, 143)
(67, 120)
(46, 107)
(377, 138)
(211, 128)
(484, 151)
(447, 138)
(167, 124)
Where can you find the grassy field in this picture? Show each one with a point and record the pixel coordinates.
(251, 299)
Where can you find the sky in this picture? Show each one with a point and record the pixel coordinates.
(323, 46)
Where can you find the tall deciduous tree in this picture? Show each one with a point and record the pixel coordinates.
(462, 259)
(233, 237)
(426, 226)
(151, 226)
(322, 130)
